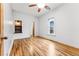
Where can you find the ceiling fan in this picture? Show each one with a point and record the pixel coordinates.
(40, 6)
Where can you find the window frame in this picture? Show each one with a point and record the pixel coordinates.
(50, 20)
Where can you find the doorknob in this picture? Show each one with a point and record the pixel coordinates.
(4, 38)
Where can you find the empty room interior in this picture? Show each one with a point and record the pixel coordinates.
(39, 29)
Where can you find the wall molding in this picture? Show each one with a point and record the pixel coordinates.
(59, 42)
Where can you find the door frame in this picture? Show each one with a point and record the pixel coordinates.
(33, 29)
(2, 29)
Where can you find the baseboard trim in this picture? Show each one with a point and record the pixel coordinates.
(59, 42)
(10, 47)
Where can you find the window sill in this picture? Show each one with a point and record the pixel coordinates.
(52, 34)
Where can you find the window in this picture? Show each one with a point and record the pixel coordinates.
(51, 26)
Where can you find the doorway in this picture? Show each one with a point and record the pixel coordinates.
(33, 30)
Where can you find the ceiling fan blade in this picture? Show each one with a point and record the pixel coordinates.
(47, 7)
(32, 5)
(39, 10)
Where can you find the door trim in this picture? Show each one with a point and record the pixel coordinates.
(2, 28)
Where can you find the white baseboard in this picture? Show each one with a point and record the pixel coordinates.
(10, 47)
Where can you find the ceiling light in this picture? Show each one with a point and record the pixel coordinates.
(40, 5)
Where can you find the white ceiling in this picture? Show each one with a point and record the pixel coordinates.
(23, 7)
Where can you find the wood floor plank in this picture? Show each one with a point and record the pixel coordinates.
(37, 46)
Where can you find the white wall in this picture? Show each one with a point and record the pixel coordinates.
(67, 24)
(27, 21)
(8, 28)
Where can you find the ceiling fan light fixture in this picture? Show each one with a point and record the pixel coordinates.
(40, 5)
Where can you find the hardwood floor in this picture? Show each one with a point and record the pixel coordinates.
(37, 46)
